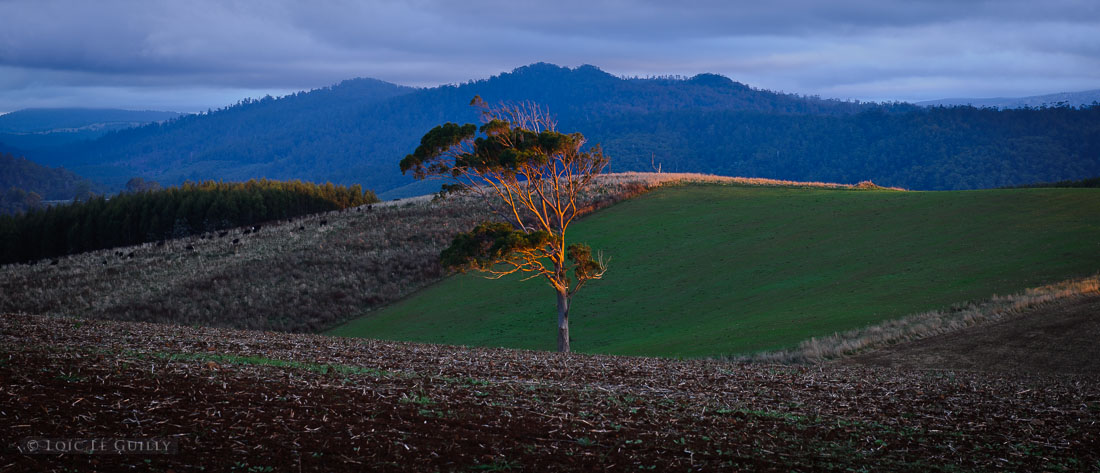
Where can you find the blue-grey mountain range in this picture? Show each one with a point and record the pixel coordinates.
(358, 130)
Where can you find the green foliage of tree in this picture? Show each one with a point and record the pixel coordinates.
(531, 174)
(139, 184)
(139, 217)
(16, 200)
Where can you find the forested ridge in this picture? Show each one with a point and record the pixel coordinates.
(190, 209)
(25, 184)
(356, 131)
(940, 148)
(309, 135)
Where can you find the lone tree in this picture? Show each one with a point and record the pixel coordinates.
(528, 172)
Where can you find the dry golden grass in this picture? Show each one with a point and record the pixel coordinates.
(928, 324)
(653, 179)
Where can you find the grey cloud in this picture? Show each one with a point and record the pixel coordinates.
(660, 18)
(906, 48)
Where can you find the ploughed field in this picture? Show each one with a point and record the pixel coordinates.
(262, 401)
(707, 270)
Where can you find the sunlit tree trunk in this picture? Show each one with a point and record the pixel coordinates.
(563, 322)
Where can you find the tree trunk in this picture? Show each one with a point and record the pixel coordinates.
(563, 322)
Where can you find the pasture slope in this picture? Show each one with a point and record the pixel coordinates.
(711, 270)
(249, 401)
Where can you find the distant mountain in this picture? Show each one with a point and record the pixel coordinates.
(36, 128)
(1072, 99)
(357, 131)
(314, 135)
(32, 120)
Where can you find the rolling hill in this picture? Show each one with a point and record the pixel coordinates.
(356, 131)
(714, 270)
(694, 266)
(302, 274)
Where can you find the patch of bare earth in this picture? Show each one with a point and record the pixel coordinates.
(1058, 337)
(263, 401)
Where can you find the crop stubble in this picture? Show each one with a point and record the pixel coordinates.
(241, 399)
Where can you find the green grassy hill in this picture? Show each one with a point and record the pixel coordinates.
(709, 269)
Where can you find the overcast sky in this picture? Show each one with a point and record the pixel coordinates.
(193, 55)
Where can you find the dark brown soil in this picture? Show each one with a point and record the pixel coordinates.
(240, 401)
(1062, 338)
